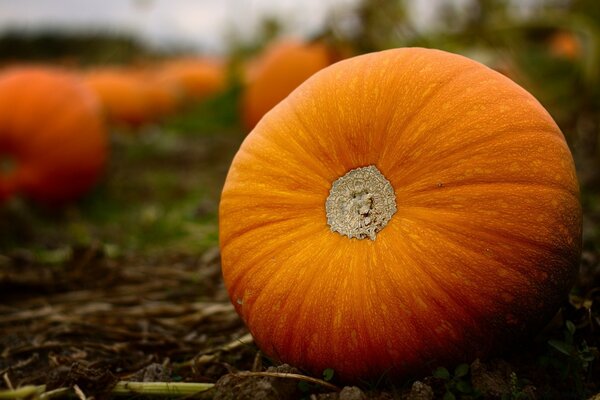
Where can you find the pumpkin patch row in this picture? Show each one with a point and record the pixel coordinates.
(137, 96)
(53, 122)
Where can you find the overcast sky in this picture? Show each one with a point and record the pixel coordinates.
(200, 23)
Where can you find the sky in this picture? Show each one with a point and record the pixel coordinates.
(201, 24)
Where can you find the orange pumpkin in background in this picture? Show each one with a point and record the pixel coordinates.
(52, 137)
(163, 94)
(399, 211)
(122, 94)
(270, 78)
(198, 78)
(565, 44)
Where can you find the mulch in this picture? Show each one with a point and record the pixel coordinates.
(94, 321)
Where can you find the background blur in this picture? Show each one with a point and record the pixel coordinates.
(182, 82)
(551, 47)
(201, 25)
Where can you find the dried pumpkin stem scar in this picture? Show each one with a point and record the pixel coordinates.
(360, 203)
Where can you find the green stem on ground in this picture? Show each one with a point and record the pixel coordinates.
(122, 388)
(22, 392)
(160, 388)
(54, 393)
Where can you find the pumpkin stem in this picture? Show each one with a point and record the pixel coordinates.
(360, 203)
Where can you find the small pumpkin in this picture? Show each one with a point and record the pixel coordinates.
(399, 210)
(163, 94)
(565, 44)
(198, 78)
(122, 94)
(277, 72)
(51, 134)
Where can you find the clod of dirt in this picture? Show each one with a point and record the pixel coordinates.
(351, 393)
(236, 387)
(152, 373)
(97, 381)
(420, 391)
(491, 379)
(347, 393)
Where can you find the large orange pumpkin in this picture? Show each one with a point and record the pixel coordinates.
(52, 132)
(270, 78)
(399, 211)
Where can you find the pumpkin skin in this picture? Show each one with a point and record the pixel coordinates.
(51, 125)
(482, 249)
(282, 67)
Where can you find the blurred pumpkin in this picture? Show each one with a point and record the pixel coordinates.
(282, 67)
(52, 133)
(162, 93)
(198, 78)
(564, 44)
(123, 95)
(399, 210)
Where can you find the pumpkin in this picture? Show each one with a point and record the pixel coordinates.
(198, 78)
(399, 211)
(122, 94)
(51, 135)
(282, 67)
(163, 94)
(565, 44)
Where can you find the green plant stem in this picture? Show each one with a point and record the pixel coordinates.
(122, 388)
(22, 392)
(160, 388)
(62, 392)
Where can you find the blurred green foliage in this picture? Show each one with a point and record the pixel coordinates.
(223, 111)
(81, 48)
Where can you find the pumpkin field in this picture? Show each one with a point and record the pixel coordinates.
(375, 210)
